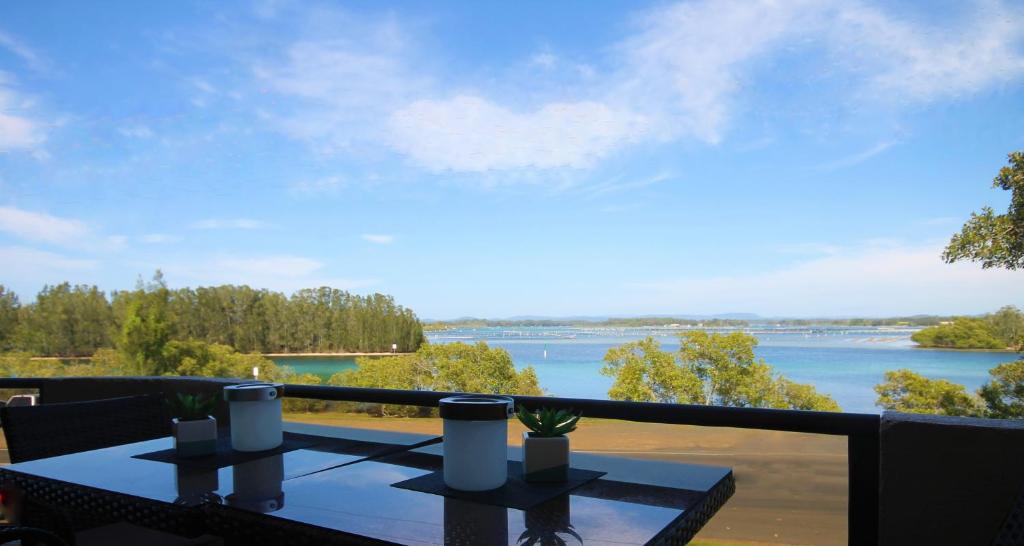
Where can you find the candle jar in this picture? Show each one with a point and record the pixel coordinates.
(475, 441)
(255, 415)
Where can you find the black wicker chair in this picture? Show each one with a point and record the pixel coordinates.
(30, 536)
(48, 430)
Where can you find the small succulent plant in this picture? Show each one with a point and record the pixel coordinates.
(192, 407)
(548, 423)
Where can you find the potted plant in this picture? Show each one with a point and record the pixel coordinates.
(195, 430)
(545, 445)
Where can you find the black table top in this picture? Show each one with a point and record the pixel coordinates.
(633, 504)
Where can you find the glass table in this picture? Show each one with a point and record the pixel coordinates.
(338, 490)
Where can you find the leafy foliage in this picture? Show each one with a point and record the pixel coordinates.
(995, 240)
(9, 306)
(908, 391)
(709, 368)
(455, 367)
(1000, 330)
(192, 407)
(548, 423)
(962, 333)
(1004, 393)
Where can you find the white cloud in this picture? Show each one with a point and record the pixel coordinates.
(859, 157)
(276, 272)
(544, 60)
(228, 223)
(136, 131)
(378, 238)
(326, 185)
(687, 60)
(18, 130)
(38, 226)
(32, 267)
(342, 88)
(872, 280)
(468, 133)
(683, 73)
(159, 238)
(29, 56)
(921, 63)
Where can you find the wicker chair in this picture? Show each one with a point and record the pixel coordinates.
(48, 430)
(29, 535)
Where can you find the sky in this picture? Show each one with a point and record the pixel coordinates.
(797, 158)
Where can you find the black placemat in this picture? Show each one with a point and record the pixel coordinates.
(516, 493)
(225, 456)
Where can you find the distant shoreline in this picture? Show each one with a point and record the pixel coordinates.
(267, 355)
(311, 355)
(965, 349)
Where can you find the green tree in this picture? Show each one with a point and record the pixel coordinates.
(455, 367)
(911, 392)
(9, 306)
(1008, 325)
(995, 240)
(802, 396)
(645, 373)
(1004, 393)
(962, 333)
(147, 327)
(65, 320)
(709, 368)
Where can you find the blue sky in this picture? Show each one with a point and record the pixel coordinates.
(804, 158)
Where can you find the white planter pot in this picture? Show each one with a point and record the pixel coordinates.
(195, 438)
(545, 459)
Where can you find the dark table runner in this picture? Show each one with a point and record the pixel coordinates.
(516, 493)
(226, 456)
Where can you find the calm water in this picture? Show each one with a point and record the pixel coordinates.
(845, 363)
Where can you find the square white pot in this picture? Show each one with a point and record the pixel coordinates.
(195, 438)
(545, 459)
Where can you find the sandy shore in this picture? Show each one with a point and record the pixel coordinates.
(791, 488)
(282, 355)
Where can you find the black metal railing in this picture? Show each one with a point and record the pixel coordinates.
(861, 430)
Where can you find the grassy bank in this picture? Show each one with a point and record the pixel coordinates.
(791, 488)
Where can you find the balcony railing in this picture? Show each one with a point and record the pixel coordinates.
(861, 430)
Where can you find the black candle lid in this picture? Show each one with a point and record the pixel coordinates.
(476, 407)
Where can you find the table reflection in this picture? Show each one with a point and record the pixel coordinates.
(195, 485)
(468, 522)
(256, 485)
(549, 524)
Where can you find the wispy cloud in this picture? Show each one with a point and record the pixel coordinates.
(228, 223)
(888, 279)
(42, 227)
(472, 134)
(319, 186)
(859, 157)
(33, 267)
(19, 129)
(378, 238)
(136, 131)
(681, 74)
(28, 55)
(159, 238)
(276, 272)
(619, 185)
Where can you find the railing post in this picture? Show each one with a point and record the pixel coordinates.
(863, 458)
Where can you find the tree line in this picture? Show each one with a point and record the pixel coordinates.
(1003, 329)
(78, 320)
